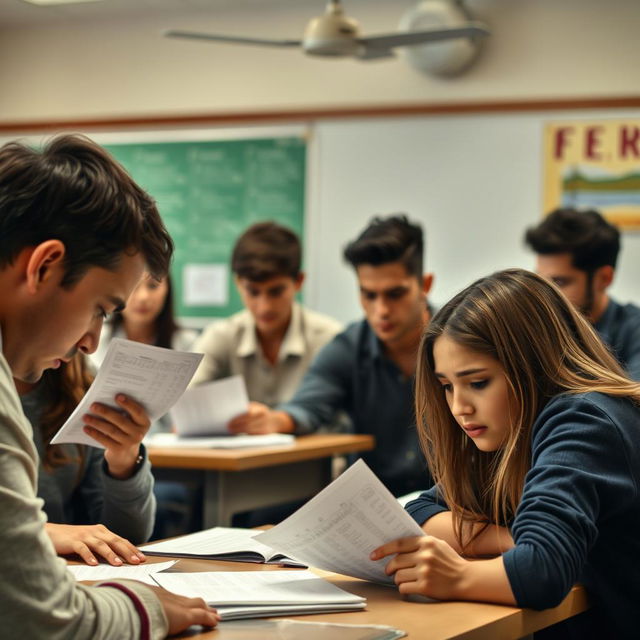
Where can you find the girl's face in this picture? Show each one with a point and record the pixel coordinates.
(146, 301)
(476, 389)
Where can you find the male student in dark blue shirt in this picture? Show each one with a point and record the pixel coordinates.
(368, 369)
(578, 251)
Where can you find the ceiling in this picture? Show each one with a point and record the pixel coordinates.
(16, 13)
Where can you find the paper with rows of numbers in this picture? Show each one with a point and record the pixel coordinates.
(152, 376)
(338, 528)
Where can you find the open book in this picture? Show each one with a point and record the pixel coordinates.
(221, 543)
(258, 594)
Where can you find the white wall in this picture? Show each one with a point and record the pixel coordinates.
(538, 48)
(474, 182)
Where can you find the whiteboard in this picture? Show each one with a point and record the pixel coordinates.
(473, 181)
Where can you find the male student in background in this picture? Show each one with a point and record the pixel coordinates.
(76, 235)
(578, 251)
(274, 339)
(368, 369)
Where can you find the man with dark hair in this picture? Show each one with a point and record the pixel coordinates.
(274, 339)
(578, 251)
(76, 235)
(368, 370)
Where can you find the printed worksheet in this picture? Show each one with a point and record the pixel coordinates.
(153, 376)
(258, 588)
(140, 572)
(338, 528)
(205, 410)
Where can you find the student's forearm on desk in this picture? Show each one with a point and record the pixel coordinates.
(492, 541)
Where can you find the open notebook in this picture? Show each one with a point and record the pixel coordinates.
(258, 594)
(220, 543)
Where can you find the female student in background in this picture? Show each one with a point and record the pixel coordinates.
(149, 318)
(105, 494)
(532, 433)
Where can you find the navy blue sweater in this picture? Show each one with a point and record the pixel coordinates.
(579, 518)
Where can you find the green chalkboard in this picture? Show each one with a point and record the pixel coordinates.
(208, 193)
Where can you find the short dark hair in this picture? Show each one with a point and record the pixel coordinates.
(72, 190)
(391, 239)
(586, 235)
(267, 250)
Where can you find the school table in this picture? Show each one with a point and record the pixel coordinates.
(237, 480)
(423, 620)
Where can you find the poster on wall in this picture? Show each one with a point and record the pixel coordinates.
(594, 164)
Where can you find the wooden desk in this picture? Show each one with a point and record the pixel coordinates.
(237, 480)
(427, 621)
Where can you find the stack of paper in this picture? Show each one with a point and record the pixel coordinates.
(259, 594)
(220, 543)
(240, 441)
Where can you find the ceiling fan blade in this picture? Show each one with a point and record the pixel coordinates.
(213, 37)
(408, 38)
(374, 53)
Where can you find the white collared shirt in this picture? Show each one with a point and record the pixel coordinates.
(231, 347)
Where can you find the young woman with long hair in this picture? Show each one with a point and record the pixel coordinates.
(531, 430)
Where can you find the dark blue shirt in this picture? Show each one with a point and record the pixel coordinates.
(352, 374)
(619, 327)
(579, 517)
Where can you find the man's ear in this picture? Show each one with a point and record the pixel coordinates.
(427, 283)
(603, 277)
(44, 263)
(299, 280)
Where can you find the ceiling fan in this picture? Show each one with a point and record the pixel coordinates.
(334, 34)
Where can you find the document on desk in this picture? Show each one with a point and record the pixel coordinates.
(153, 376)
(257, 594)
(220, 543)
(232, 441)
(339, 527)
(140, 572)
(205, 410)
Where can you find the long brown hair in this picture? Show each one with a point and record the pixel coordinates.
(64, 388)
(165, 324)
(545, 347)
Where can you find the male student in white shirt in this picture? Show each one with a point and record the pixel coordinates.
(273, 340)
(76, 235)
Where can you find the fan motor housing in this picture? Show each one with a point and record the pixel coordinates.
(331, 35)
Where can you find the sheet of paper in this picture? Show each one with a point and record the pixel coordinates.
(153, 376)
(141, 572)
(239, 441)
(206, 409)
(212, 541)
(256, 587)
(205, 285)
(339, 527)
